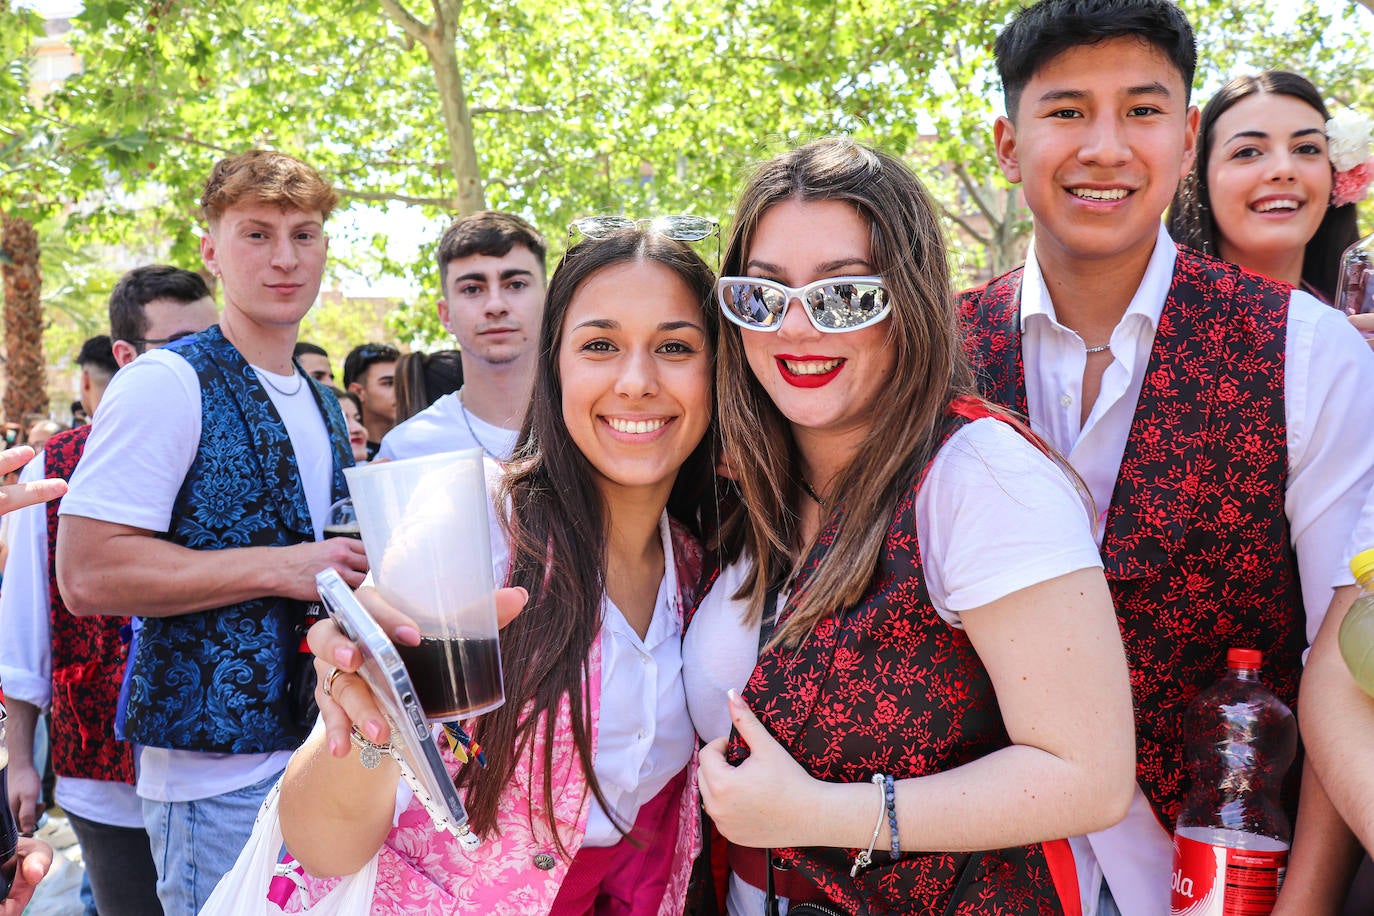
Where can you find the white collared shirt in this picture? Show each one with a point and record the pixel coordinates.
(643, 734)
(1329, 372)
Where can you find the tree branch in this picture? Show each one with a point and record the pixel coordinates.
(402, 17)
(964, 224)
(508, 109)
(447, 203)
(509, 183)
(961, 170)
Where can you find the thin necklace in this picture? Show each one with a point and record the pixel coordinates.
(266, 377)
(811, 491)
(467, 421)
(1105, 346)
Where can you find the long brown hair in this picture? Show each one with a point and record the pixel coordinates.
(557, 529)
(1191, 219)
(908, 251)
(423, 378)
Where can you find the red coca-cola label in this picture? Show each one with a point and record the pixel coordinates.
(1211, 880)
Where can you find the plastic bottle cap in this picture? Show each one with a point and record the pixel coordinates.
(1362, 565)
(1245, 659)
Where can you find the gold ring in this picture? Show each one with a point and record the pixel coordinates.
(329, 683)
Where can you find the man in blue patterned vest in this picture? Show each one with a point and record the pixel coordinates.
(198, 507)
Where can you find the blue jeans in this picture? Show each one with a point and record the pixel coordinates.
(196, 843)
(1106, 904)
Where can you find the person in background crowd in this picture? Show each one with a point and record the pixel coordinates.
(587, 803)
(491, 271)
(315, 361)
(32, 857)
(353, 418)
(370, 373)
(79, 415)
(1218, 418)
(423, 378)
(41, 431)
(216, 694)
(98, 365)
(75, 665)
(1261, 192)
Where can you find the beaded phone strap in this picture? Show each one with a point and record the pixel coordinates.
(438, 811)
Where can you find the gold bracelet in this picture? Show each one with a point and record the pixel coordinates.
(369, 753)
(865, 858)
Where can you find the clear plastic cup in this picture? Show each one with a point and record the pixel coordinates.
(424, 523)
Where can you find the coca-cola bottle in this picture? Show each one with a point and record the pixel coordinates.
(1231, 842)
(1356, 636)
(9, 830)
(1355, 287)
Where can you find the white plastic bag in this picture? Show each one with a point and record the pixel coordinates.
(243, 891)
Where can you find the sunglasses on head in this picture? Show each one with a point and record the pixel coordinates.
(679, 228)
(833, 305)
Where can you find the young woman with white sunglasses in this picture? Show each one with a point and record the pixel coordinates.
(940, 666)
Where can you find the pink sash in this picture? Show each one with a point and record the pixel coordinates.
(627, 879)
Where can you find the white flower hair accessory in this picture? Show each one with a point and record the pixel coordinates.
(1350, 141)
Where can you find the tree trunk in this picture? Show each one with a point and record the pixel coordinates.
(437, 38)
(26, 389)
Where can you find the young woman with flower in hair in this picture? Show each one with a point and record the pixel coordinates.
(1275, 181)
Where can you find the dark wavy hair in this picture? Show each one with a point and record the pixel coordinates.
(1040, 33)
(1191, 221)
(557, 529)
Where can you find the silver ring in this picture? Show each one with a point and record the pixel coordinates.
(329, 683)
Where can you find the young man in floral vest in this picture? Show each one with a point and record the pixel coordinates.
(1220, 421)
(198, 508)
(74, 665)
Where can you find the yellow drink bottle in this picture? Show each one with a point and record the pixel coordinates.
(1357, 629)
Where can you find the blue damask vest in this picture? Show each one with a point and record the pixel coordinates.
(228, 679)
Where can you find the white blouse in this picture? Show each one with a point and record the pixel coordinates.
(644, 736)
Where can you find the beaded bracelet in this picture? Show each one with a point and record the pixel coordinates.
(890, 802)
(865, 857)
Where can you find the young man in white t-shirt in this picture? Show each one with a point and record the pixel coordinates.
(491, 267)
(52, 660)
(198, 507)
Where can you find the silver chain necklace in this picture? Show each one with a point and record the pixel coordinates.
(467, 421)
(266, 378)
(1105, 346)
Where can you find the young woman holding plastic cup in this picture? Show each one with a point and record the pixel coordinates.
(593, 742)
(944, 630)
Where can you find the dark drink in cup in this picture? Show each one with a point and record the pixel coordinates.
(454, 678)
(426, 530)
(349, 530)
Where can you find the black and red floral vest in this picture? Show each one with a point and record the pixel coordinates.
(88, 656)
(889, 687)
(1197, 548)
